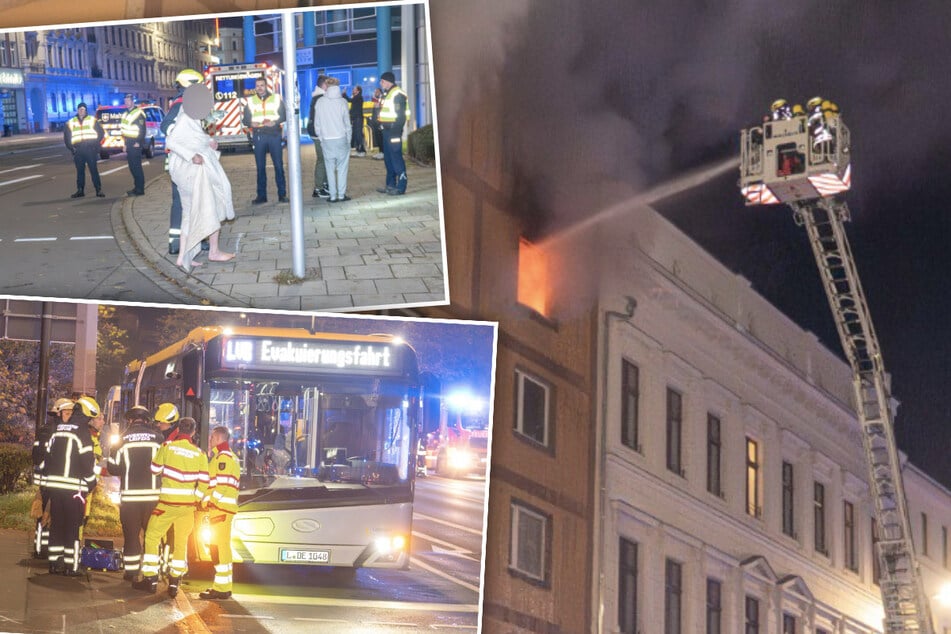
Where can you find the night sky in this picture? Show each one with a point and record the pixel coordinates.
(605, 99)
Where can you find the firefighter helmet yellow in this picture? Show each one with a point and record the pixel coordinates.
(188, 77)
(812, 103)
(89, 406)
(779, 103)
(166, 413)
(797, 110)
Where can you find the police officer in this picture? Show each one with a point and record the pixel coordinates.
(82, 136)
(183, 469)
(221, 502)
(166, 419)
(264, 113)
(68, 471)
(392, 117)
(131, 462)
(132, 126)
(184, 79)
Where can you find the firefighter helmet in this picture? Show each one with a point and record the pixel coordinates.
(62, 404)
(812, 103)
(137, 413)
(797, 110)
(166, 413)
(89, 406)
(779, 103)
(188, 77)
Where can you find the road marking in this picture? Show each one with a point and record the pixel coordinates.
(389, 624)
(35, 240)
(437, 626)
(453, 525)
(315, 620)
(19, 180)
(357, 603)
(440, 573)
(246, 616)
(91, 237)
(455, 549)
(22, 167)
(57, 155)
(114, 169)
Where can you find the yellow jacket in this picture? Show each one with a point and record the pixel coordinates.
(184, 471)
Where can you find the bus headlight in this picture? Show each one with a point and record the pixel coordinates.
(390, 544)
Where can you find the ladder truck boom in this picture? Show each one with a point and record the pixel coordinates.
(782, 161)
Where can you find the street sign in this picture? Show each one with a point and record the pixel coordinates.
(305, 56)
(20, 321)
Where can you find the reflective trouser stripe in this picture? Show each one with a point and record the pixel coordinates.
(220, 524)
(131, 562)
(165, 516)
(150, 564)
(222, 578)
(178, 567)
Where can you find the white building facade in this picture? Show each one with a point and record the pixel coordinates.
(733, 478)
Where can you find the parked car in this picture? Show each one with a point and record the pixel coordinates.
(112, 143)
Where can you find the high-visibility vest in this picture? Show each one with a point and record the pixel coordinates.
(184, 471)
(129, 124)
(388, 112)
(225, 476)
(261, 109)
(84, 130)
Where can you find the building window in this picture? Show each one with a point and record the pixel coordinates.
(876, 564)
(789, 624)
(674, 430)
(673, 590)
(944, 547)
(532, 408)
(789, 517)
(851, 557)
(627, 587)
(533, 289)
(714, 450)
(753, 471)
(714, 606)
(819, 512)
(752, 615)
(531, 537)
(924, 534)
(630, 395)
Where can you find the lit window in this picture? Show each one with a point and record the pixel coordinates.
(753, 474)
(532, 408)
(533, 285)
(529, 549)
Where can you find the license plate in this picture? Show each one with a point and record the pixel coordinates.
(306, 556)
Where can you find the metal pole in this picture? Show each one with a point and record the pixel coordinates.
(408, 63)
(292, 128)
(46, 322)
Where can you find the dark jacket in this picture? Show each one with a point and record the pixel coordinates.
(70, 462)
(356, 110)
(310, 117)
(131, 461)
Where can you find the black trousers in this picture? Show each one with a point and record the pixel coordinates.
(134, 158)
(66, 517)
(86, 155)
(135, 520)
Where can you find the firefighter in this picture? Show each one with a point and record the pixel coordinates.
(60, 411)
(166, 419)
(139, 493)
(82, 136)
(264, 114)
(184, 79)
(780, 110)
(798, 111)
(817, 123)
(183, 470)
(221, 502)
(393, 113)
(68, 471)
(132, 127)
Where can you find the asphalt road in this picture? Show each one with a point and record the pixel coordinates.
(440, 591)
(55, 246)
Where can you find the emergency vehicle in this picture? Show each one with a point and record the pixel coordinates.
(231, 85)
(461, 444)
(110, 117)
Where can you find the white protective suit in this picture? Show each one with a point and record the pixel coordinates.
(205, 189)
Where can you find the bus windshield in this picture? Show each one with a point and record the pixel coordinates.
(296, 435)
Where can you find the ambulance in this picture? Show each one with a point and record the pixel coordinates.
(231, 85)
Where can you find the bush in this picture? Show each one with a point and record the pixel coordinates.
(421, 145)
(16, 462)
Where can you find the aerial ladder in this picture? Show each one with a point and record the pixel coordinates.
(805, 164)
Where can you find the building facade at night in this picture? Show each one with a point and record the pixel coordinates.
(670, 452)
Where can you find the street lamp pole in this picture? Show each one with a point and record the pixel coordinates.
(292, 127)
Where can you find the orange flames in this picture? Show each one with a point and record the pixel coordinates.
(533, 285)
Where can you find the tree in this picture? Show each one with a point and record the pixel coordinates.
(19, 369)
(112, 348)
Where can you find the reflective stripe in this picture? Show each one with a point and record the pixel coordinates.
(269, 108)
(128, 125)
(388, 112)
(85, 131)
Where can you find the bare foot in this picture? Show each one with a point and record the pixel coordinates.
(220, 256)
(194, 263)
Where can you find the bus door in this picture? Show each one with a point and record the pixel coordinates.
(306, 432)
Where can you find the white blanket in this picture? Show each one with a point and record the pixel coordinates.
(205, 189)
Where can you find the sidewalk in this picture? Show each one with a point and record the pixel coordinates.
(373, 251)
(35, 601)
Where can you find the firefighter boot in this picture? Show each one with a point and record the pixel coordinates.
(146, 584)
(173, 583)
